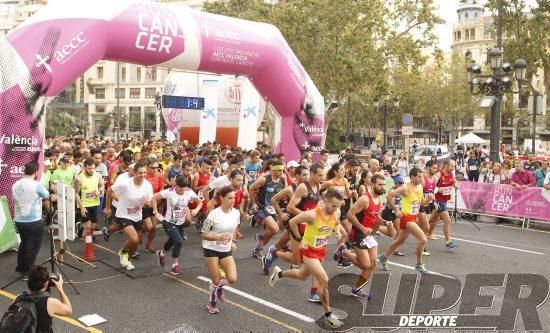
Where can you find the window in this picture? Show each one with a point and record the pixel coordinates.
(458, 32)
(135, 93)
(100, 108)
(151, 74)
(150, 92)
(100, 93)
(466, 15)
(100, 72)
(120, 92)
(466, 34)
(473, 33)
(138, 73)
(123, 74)
(150, 119)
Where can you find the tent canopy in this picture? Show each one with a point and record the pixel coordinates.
(470, 138)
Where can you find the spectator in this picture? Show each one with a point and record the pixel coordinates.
(472, 166)
(547, 181)
(522, 178)
(540, 174)
(531, 164)
(401, 165)
(496, 175)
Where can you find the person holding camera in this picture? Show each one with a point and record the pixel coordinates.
(27, 194)
(46, 306)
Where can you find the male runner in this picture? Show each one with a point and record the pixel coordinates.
(411, 200)
(321, 222)
(89, 186)
(133, 194)
(267, 186)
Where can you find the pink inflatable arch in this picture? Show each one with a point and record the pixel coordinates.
(51, 49)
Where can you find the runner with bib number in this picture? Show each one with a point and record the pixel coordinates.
(411, 200)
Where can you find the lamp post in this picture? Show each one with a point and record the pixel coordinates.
(494, 86)
(386, 110)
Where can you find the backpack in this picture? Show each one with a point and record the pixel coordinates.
(21, 315)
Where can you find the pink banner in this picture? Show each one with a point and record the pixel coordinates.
(505, 200)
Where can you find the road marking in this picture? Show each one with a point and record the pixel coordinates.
(494, 245)
(414, 269)
(264, 302)
(106, 249)
(68, 320)
(526, 229)
(497, 240)
(256, 313)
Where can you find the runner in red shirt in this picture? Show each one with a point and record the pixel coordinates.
(361, 236)
(446, 182)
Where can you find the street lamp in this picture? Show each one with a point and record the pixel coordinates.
(386, 109)
(494, 86)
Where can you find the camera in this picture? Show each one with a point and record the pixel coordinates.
(53, 277)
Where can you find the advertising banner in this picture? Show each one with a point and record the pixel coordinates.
(209, 117)
(505, 200)
(249, 112)
(229, 104)
(181, 124)
(8, 236)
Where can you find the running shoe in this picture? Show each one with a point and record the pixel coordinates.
(130, 266)
(274, 276)
(383, 261)
(161, 259)
(269, 259)
(135, 255)
(333, 321)
(421, 269)
(344, 263)
(184, 235)
(451, 245)
(259, 236)
(219, 294)
(123, 258)
(425, 253)
(360, 294)
(106, 234)
(339, 252)
(314, 297)
(212, 308)
(239, 235)
(258, 252)
(149, 248)
(176, 270)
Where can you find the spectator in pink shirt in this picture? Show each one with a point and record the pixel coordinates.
(522, 178)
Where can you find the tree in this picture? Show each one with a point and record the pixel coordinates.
(346, 46)
(59, 123)
(527, 31)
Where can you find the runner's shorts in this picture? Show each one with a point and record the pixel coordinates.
(313, 253)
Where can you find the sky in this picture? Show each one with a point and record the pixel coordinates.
(447, 11)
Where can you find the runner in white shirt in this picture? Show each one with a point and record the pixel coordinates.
(218, 242)
(111, 201)
(133, 195)
(177, 214)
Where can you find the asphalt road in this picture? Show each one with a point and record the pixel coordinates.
(151, 300)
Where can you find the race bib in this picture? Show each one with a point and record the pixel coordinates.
(179, 214)
(446, 191)
(270, 210)
(90, 195)
(473, 167)
(270, 189)
(415, 207)
(321, 241)
(133, 210)
(369, 242)
(224, 242)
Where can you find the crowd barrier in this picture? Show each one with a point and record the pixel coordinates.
(528, 205)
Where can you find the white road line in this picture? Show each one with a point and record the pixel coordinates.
(516, 228)
(497, 240)
(264, 302)
(494, 245)
(414, 269)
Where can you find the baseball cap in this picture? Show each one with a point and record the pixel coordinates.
(292, 164)
(399, 179)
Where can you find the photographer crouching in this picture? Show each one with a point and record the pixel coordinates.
(33, 311)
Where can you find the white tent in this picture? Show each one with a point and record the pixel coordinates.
(470, 138)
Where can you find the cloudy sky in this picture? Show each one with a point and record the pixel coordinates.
(447, 11)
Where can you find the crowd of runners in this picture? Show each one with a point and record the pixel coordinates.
(294, 205)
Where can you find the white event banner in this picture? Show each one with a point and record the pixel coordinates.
(208, 121)
(248, 118)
